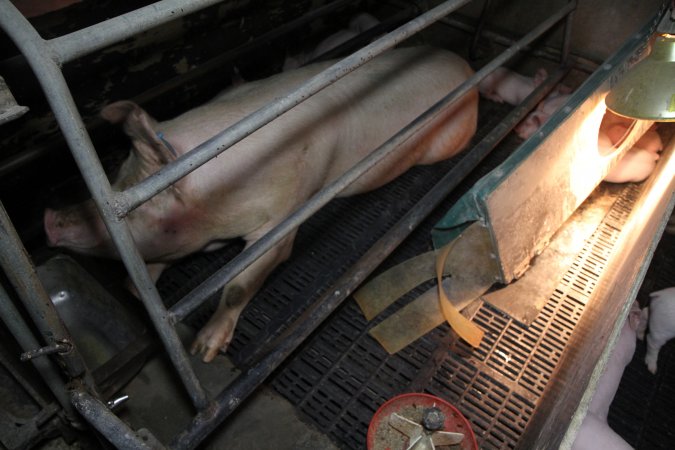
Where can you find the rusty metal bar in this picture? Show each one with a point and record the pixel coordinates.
(275, 353)
(22, 275)
(40, 57)
(105, 421)
(133, 197)
(78, 43)
(223, 276)
(27, 341)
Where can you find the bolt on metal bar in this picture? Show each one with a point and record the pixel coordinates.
(228, 400)
(22, 275)
(100, 35)
(27, 341)
(58, 95)
(101, 418)
(59, 347)
(131, 198)
(223, 276)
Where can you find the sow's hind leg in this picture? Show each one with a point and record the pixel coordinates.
(217, 334)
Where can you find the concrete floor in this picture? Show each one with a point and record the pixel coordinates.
(158, 403)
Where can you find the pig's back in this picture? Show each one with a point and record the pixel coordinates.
(385, 96)
(331, 131)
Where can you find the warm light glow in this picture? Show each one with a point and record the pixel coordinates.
(588, 165)
(653, 198)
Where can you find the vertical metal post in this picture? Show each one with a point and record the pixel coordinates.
(19, 329)
(22, 275)
(41, 59)
(567, 35)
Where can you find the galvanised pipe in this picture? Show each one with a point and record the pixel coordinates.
(27, 341)
(101, 418)
(412, 219)
(246, 383)
(78, 43)
(566, 46)
(223, 276)
(131, 198)
(21, 273)
(27, 155)
(40, 58)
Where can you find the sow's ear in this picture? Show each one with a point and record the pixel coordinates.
(141, 128)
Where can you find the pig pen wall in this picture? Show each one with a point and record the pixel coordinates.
(39, 171)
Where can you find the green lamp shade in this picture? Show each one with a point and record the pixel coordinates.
(647, 91)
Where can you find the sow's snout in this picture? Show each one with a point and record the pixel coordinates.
(78, 228)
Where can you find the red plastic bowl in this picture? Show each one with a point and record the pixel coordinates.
(382, 436)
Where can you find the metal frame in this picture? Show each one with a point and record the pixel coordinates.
(45, 58)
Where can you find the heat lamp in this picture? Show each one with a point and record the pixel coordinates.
(647, 91)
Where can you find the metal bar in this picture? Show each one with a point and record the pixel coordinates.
(364, 37)
(70, 121)
(59, 347)
(546, 52)
(567, 36)
(223, 276)
(27, 341)
(15, 162)
(101, 418)
(399, 231)
(487, 8)
(78, 43)
(228, 400)
(230, 55)
(169, 174)
(22, 275)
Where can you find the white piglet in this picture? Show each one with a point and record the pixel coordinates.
(506, 86)
(594, 432)
(661, 324)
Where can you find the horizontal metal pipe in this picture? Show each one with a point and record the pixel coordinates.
(28, 155)
(546, 52)
(100, 417)
(78, 43)
(39, 57)
(399, 231)
(228, 400)
(232, 54)
(131, 198)
(223, 276)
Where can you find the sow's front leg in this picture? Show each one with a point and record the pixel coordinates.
(217, 334)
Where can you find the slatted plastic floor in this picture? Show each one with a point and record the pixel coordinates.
(340, 375)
